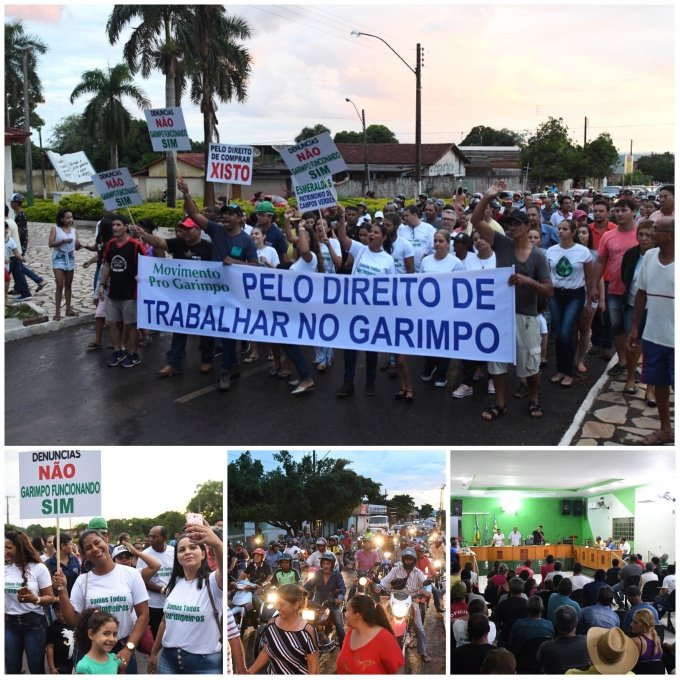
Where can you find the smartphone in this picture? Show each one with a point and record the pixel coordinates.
(24, 591)
(194, 518)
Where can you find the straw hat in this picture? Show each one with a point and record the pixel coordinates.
(611, 651)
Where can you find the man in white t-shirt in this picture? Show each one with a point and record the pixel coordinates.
(157, 583)
(656, 293)
(419, 234)
(515, 537)
(498, 539)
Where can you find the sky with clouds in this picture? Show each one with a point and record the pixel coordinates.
(417, 473)
(499, 65)
(136, 482)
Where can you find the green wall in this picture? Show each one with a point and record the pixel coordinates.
(531, 513)
(627, 497)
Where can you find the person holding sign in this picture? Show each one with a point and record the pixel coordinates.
(189, 639)
(112, 588)
(231, 245)
(374, 259)
(27, 590)
(64, 242)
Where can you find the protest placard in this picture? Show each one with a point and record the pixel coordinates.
(73, 168)
(60, 483)
(315, 195)
(465, 315)
(312, 159)
(230, 164)
(167, 129)
(117, 189)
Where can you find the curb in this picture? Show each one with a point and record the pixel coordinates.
(22, 332)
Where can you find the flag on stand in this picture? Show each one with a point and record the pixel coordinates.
(495, 526)
(477, 534)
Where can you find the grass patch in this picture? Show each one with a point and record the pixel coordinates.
(21, 311)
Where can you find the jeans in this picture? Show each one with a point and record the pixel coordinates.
(351, 364)
(421, 638)
(25, 633)
(566, 306)
(337, 620)
(17, 271)
(298, 358)
(602, 327)
(440, 364)
(176, 661)
(323, 355)
(228, 352)
(178, 346)
(615, 305)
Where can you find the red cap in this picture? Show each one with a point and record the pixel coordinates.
(189, 223)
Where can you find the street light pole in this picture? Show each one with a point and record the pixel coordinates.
(417, 73)
(362, 118)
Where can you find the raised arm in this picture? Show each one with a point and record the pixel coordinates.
(304, 250)
(485, 230)
(189, 206)
(345, 241)
(290, 236)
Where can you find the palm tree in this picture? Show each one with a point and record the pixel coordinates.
(16, 43)
(105, 114)
(218, 68)
(162, 37)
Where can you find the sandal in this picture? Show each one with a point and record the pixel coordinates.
(494, 412)
(283, 374)
(567, 381)
(410, 396)
(72, 312)
(655, 439)
(426, 658)
(400, 394)
(321, 367)
(535, 410)
(274, 371)
(558, 377)
(93, 345)
(630, 391)
(251, 359)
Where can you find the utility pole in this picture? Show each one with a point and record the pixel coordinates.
(42, 164)
(7, 507)
(419, 87)
(585, 132)
(27, 127)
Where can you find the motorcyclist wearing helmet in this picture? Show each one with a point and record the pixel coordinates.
(273, 554)
(285, 574)
(314, 560)
(294, 551)
(425, 565)
(366, 557)
(406, 569)
(327, 584)
(335, 547)
(399, 550)
(438, 549)
(258, 571)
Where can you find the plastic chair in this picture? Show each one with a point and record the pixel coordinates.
(650, 590)
(526, 656)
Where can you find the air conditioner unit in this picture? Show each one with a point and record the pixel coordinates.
(593, 505)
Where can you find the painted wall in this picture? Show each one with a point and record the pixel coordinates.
(531, 513)
(599, 522)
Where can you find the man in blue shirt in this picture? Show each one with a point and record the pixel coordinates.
(600, 614)
(634, 597)
(273, 236)
(69, 563)
(328, 584)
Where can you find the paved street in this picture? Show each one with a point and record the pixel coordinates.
(57, 392)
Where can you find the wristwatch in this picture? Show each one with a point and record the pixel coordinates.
(130, 646)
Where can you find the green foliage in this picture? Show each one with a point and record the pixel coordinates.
(599, 159)
(426, 510)
(42, 211)
(550, 152)
(21, 311)
(375, 134)
(402, 504)
(481, 135)
(308, 132)
(659, 166)
(635, 178)
(347, 137)
(295, 491)
(83, 207)
(209, 499)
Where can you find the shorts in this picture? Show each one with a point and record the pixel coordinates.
(658, 364)
(121, 310)
(528, 349)
(62, 260)
(615, 307)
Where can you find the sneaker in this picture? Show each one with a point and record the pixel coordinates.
(41, 284)
(462, 391)
(225, 381)
(617, 369)
(131, 360)
(440, 382)
(426, 377)
(490, 388)
(245, 348)
(20, 298)
(116, 358)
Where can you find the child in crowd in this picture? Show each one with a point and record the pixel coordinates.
(96, 634)
(59, 649)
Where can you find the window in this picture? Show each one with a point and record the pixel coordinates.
(623, 527)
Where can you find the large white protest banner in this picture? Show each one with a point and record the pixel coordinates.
(61, 483)
(312, 159)
(316, 194)
(167, 129)
(230, 164)
(73, 168)
(117, 189)
(466, 315)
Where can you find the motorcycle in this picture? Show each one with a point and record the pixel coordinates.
(268, 611)
(440, 578)
(241, 606)
(321, 617)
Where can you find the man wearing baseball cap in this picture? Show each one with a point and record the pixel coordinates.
(273, 236)
(230, 245)
(20, 219)
(186, 245)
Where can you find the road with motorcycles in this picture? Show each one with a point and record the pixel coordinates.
(434, 628)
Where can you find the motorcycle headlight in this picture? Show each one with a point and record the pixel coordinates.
(308, 614)
(387, 555)
(400, 610)
(437, 564)
(363, 581)
(271, 598)
(379, 541)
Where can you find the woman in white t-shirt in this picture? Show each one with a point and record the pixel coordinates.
(189, 638)
(28, 589)
(373, 259)
(571, 268)
(441, 260)
(112, 588)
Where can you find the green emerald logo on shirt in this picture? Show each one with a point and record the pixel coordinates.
(564, 267)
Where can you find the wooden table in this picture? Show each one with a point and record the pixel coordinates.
(596, 558)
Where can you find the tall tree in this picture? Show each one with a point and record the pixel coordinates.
(601, 157)
(105, 114)
(482, 135)
(549, 152)
(308, 132)
(402, 504)
(208, 499)
(426, 510)
(659, 166)
(164, 34)
(17, 42)
(375, 134)
(218, 68)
